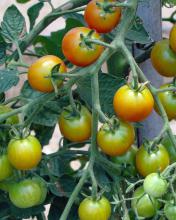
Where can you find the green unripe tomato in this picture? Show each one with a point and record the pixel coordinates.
(6, 169)
(155, 185)
(25, 194)
(144, 205)
(12, 119)
(170, 210)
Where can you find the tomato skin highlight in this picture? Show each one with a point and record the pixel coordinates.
(24, 154)
(172, 38)
(155, 185)
(25, 194)
(77, 54)
(164, 59)
(94, 210)
(75, 128)
(102, 24)
(168, 100)
(144, 205)
(118, 141)
(131, 105)
(152, 162)
(41, 69)
(6, 169)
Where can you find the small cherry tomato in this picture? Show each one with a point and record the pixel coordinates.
(133, 105)
(25, 194)
(77, 51)
(151, 161)
(168, 100)
(76, 128)
(25, 153)
(164, 59)
(94, 210)
(116, 141)
(100, 19)
(40, 71)
(12, 119)
(127, 160)
(155, 185)
(170, 210)
(6, 169)
(145, 205)
(172, 38)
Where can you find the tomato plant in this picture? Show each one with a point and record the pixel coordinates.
(75, 127)
(75, 105)
(145, 205)
(95, 210)
(152, 161)
(25, 153)
(116, 141)
(100, 18)
(164, 59)
(140, 103)
(40, 71)
(81, 53)
(25, 194)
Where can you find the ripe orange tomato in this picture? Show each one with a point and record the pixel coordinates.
(132, 105)
(151, 162)
(164, 59)
(24, 154)
(76, 128)
(117, 141)
(76, 51)
(40, 71)
(100, 20)
(172, 38)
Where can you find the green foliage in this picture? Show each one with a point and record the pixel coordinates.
(108, 85)
(33, 13)
(13, 24)
(8, 79)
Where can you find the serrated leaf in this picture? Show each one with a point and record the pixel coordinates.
(13, 24)
(8, 79)
(137, 33)
(108, 85)
(33, 13)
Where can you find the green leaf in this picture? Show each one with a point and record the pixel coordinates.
(13, 24)
(76, 16)
(3, 46)
(33, 13)
(43, 133)
(8, 79)
(108, 86)
(137, 33)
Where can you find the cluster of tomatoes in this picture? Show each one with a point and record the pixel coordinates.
(115, 138)
(22, 153)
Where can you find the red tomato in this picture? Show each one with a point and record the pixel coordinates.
(101, 20)
(40, 71)
(76, 51)
(132, 105)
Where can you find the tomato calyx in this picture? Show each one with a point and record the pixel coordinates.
(73, 112)
(19, 133)
(111, 125)
(86, 40)
(106, 7)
